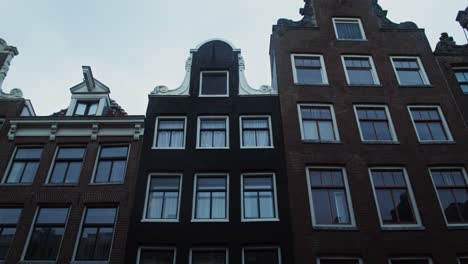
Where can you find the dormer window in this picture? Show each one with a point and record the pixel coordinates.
(214, 83)
(86, 108)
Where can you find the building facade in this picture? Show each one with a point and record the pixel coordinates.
(212, 185)
(67, 179)
(374, 142)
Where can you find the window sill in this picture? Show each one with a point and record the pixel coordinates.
(351, 39)
(335, 228)
(260, 220)
(105, 183)
(89, 262)
(365, 85)
(457, 226)
(441, 142)
(213, 96)
(416, 86)
(16, 184)
(209, 220)
(60, 184)
(257, 147)
(159, 220)
(320, 141)
(154, 148)
(324, 85)
(376, 142)
(403, 228)
(37, 262)
(220, 148)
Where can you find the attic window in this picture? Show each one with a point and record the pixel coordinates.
(214, 83)
(85, 108)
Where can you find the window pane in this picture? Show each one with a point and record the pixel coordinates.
(258, 183)
(212, 124)
(219, 205)
(100, 216)
(9, 216)
(87, 243)
(437, 131)
(214, 83)
(340, 208)
(103, 243)
(368, 132)
(255, 123)
(322, 210)
(29, 172)
(211, 183)
(410, 261)
(462, 201)
(114, 152)
(177, 139)
(92, 110)
(161, 183)
(386, 207)
(206, 139)
(164, 139)
(58, 173)
(208, 257)
(73, 173)
(261, 256)
(309, 76)
(348, 30)
(171, 124)
(203, 205)
(152, 256)
(118, 171)
(266, 205)
(383, 131)
(219, 139)
(70, 153)
(449, 205)
(339, 261)
(410, 77)
(52, 216)
(103, 171)
(80, 109)
(170, 205)
(326, 130)
(6, 237)
(262, 138)
(45, 243)
(16, 172)
(403, 206)
(360, 77)
(248, 138)
(423, 131)
(155, 205)
(23, 153)
(251, 205)
(310, 130)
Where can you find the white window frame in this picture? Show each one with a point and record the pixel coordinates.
(423, 73)
(465, 176)
(442, 118)
(184, 118)
(275, 197)
(389, 119)
(335, 124)
(454, 70)
(52, 165)
(319, 259)
(261, 248)
(10, 163)
(80, 230)
(148, 184)
(417, 217)
(31, 230)
(351, 20)
(213, 95)
(323, 70)
(429, 260)
(156, 249)
(96, 162)
(199, 118)
(459, 259)
(226, 250)
(194, 196)
(352, 225)
(242, 117)
(375, 76)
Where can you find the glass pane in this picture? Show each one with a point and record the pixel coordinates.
(348, 30)
(80, 109)
(168, 183)
(73, 173)
(386, 206)
(258, 183)
(92, 110)
(255, 123)
(322, 210)
(214, 84)
(45, 243)
(118, 171)
(211, 183)
(100, 216)
(87, 243)
(103, 243)
(30, 172)
(410, 78)
(310, 130)
(177, 139)
(155, 205)
(458, 178)
(263, 138)
(114, 152)
(383, 131)
(266, 205)
(70, 153)
(153, 256)
(16, 172)
(203, 205)
(309, 76)
(6, 237)
(402, 202)
(103, 171)
(208, 257)
(340, 207)
(360, 77)
(219, 205)
(462, 201)
(212, 124)
(367, 129)
(339, 261)
(58, 173)
(261, 256)
(170, 205)
(326, 130)
(410, 261)
(437, 131)
(52, 216)
(171, 124)
(24, 153)
(315, 178)
(9, 215)
(250, 205)
(449, 205)
(206, 139)
(464, 88)
(164, 139)
(248, 138)
(219, 139)
(423, 131)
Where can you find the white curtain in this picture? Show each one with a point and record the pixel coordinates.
(219, 205)
(203, 205)
(250, 205)
(341, 207)
(164, 138)
(170, 205)
(266, 205)
(155, 205)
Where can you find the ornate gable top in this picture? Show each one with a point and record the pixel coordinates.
(387, 23)
(447, 45)
(308, 20)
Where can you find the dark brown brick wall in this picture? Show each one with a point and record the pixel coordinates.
(368, 241)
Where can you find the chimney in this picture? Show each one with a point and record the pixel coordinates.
(88, 78)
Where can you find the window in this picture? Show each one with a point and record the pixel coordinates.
(394, 198)
(170, 132)
(375, 123)
(318, 123)
(261, 256)
(360, 70)
(208, 256)
(410, 261)
(429, 123)
(210, 197)
(111, 164)
(86, 108)
(256, 132)
(214, 83)
(23, 166)
(452, 190)
(8, 220)
(409, 71)
(348, 29)
(329, 196)
(463, 260)
(163, 197)
(213, 132)
(259, 197)
(67, 165)
(156, 256)
(309, 69)
(462, 78)
(97, 231)
(339, 260)
(47, 234)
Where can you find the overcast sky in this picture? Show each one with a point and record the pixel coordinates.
(132, 46)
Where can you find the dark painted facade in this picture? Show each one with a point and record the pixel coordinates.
(188, 233)
(366, 238)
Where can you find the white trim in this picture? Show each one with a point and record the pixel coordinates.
(215, 39)
(374, 74)
(389, 121)
(275, 197)
(422, 71)
(10, 163)
(156, 249)
(241, 117)
(52, 165)
(409, 188)
(442, 118)
(148, 184)
(80, 230)
(454, 71)
(323, 69)
(350, 20)
(226, 250)
(194, 197)
(261, 248)
(352, 224)
(465, 176)
(429, 260)
(335, 124)
(31, 230)
(226, 119)
(359, 260)
(213, 95)
(96, 162)
(184, 118)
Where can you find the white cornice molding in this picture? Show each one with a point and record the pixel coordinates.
(183, 89)
(245, 88)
